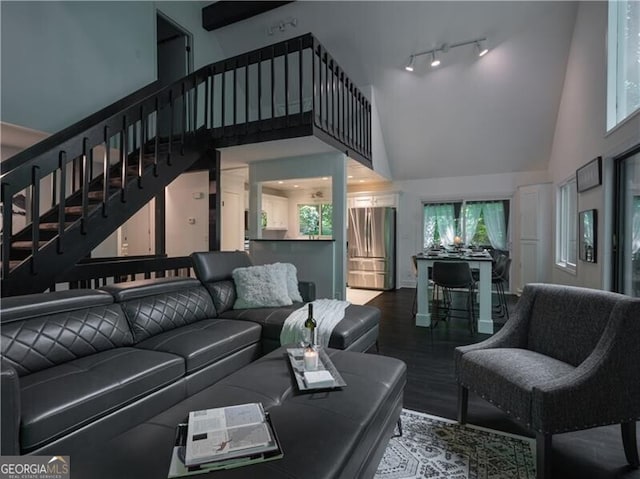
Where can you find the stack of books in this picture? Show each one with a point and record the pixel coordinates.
(224, 438)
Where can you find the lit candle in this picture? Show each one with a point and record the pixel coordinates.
(310, 359)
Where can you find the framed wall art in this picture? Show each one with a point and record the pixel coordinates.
(590, 175)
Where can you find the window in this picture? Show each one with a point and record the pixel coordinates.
(480, 223)
(315, 219)
(566, 225)
(623, 69)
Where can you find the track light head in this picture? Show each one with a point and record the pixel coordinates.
(409, 65)
(481, 48)
(435, 61)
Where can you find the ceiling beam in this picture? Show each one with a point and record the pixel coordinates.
(225, 12)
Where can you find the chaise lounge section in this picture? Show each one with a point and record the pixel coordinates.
(358, 331)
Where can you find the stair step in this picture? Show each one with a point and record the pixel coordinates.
(12, 264)
(53, 226)
(77, 210)
(22, 245)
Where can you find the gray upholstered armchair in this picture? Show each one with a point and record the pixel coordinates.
(569, 359)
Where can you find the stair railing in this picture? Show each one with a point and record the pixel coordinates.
(291, 88)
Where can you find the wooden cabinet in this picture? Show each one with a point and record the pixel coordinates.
(367, 201)
(276, 210)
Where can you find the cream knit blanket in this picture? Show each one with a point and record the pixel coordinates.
(327, 313)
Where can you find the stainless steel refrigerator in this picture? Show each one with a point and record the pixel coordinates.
(372, 248)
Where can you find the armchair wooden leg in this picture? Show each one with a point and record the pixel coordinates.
(543, 455)
(630, 443)
(463, 400)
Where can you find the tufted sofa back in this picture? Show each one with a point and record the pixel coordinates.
(214, 269)
(39, 331)
(157, 305)
(566, 322)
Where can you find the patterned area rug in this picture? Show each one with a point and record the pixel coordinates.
(435, 447)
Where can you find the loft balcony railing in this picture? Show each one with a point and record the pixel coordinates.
(72, 182)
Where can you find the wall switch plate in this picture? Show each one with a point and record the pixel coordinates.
(191, 221)
(197, 195)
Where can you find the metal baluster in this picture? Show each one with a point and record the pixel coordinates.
(142, 144)
(123, 155)
(286, 81)
(206, 101)
(171, 113)
(156, 143)
(235, 96)
(87, 156)
(35, 216)
(314, 83)
(300, 78)
(62, 164)
(246, 97)
(195, 104)
(7, 218)
(259, 87)
(184, 118)
(213, 93)
(273, 86)
(54, 186)
(222, 99)
(106, 169)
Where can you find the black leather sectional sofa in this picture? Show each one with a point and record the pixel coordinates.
(83, 368)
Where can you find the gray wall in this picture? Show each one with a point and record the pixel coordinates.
(62, 61)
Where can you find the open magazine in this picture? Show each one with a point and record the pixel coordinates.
(224, 438)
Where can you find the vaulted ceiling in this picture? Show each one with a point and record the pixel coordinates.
(469, 116)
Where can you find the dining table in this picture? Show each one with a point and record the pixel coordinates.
(480, 261)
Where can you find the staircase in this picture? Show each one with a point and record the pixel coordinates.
(85, 181)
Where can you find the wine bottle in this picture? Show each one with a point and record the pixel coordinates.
(310, 324)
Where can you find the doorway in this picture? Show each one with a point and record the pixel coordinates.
(173, 50)
(626, 270)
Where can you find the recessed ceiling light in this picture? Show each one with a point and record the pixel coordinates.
(280, 182)
(325, 177)
(350, 177)
(295, 186)
(361, 181)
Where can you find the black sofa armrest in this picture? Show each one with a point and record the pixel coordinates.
(307, 290)
(10, 411)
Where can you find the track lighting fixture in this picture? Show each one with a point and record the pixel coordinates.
(435, 61)
(481, 48)
(479, 44)
(409, 65)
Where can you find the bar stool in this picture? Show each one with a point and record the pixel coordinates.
(451, 275)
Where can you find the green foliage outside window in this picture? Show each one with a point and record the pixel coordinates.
(315, 220)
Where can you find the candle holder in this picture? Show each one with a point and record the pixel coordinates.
(310, 357)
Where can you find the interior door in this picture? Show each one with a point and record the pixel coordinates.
(232, 228)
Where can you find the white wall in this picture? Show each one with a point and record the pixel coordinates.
(62, 61)
(415, 192)
(580, 133)
(184, 238)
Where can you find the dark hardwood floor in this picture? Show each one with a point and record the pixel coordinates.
(431, 388)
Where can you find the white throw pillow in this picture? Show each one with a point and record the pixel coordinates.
(292, 280)
(260, 287)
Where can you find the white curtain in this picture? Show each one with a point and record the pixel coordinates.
(429, 225)
(493, 213)
(471, 217)
(635, 226)
(446, 219)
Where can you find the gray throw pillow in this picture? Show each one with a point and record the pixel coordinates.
(260, 287)
(291, 274)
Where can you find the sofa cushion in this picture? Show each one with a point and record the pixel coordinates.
(260, 287)
(158, 305)
(44, 330)
(62, 398)
(509, 374)
(205, 342)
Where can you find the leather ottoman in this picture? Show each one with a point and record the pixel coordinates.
(336, 434)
